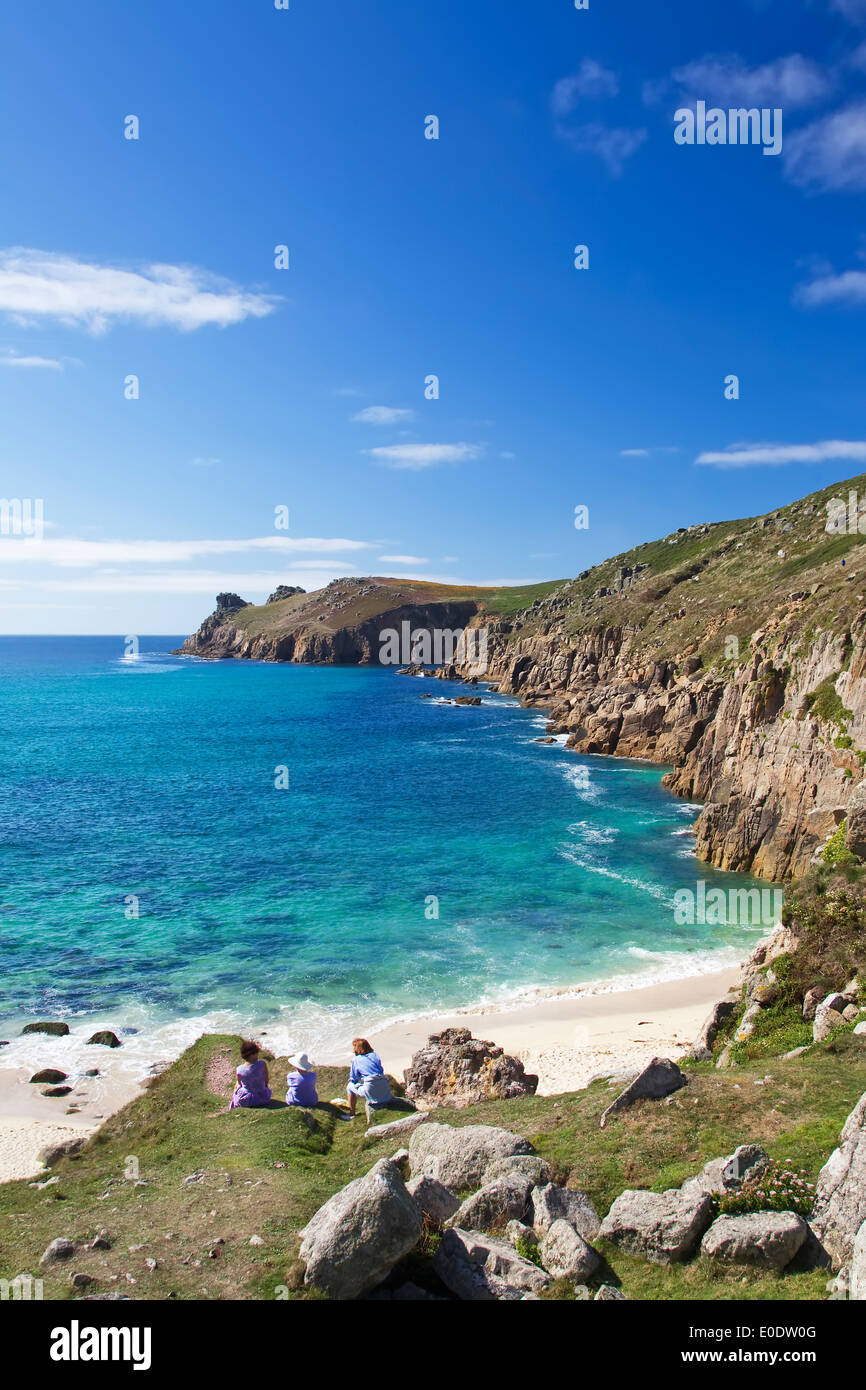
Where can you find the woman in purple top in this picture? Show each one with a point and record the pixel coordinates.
(252, 1088)
(301, 1081)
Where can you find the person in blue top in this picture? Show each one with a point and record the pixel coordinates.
(367, 1078)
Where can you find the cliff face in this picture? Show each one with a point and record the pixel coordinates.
(749, 746)
(733, 652)
(340, 625)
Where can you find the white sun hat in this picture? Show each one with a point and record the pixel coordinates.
(301, 1061)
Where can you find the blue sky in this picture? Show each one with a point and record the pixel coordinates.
(410, 257)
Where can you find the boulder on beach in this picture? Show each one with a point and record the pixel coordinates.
(48, 1076)
(53, 1153)
(56, 1091)
(56, 1030)
(104, 1038)
(455, 1069)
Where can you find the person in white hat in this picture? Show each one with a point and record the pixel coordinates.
(301, 1081)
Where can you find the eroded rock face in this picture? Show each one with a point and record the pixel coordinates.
(455, 1069)
(702, 1048)
(728, 1174)
(480, 1268)
(663, 1227)
(659, 1078)
(551, 1204)
(840, 1197)
(461, 1158)
(359, 1235)
(857, 1276)
(762, 1239)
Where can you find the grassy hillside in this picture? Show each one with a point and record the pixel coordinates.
(265, 1172)
(704, 583)
(349, 602)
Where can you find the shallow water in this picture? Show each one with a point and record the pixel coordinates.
(147, 786)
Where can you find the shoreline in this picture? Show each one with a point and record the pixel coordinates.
(567, 1038)
(572, 1039)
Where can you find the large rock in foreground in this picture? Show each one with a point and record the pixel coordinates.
(661, 1226)
(456, 1069)
(493, 1206)
(461, 1157)
(840, 1196)
(764, 1239)
(479, 1268)
(355, 1240)
(551, 1204)
(566, 1255)
(659, 1078)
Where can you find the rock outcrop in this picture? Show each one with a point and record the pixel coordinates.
(480, 1268)
(659, 1078)
(455, 1069)
(762, 1239)
(461, 1157)
(359, 1235)
(663, 1227)
(840, 1195)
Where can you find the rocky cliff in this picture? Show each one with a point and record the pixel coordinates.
(735, 653)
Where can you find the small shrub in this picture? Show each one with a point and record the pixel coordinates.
(835, 851)
(779, 1188)
(528, 1248)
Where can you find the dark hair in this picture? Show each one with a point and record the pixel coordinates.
(249, 1049)
(361, 1047)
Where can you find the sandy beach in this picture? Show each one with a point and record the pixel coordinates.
(569, 1040)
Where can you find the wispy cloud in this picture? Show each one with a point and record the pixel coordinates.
(14, 359)
(39, 285)
(775, 455)
(855, 10)
(645, 453)
(403, 560)
(830, 154)
(727, 80)
(383, 415)
(418, 456)
(74, 553)
(590, 82)
(847, 289)
(612, 144)
(195, 581)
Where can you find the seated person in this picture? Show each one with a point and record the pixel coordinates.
(252, 1088)
(367, 1078)
(301, 1081)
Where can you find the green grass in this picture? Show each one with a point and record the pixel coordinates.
(265, 1173)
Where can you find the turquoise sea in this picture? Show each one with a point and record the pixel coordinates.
(153, 877)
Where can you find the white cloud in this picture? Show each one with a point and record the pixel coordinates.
(590, 81)
(830, 153)
(418, 456)
(645, 453)
(73, 553)
(36, 285)
(727, 80)
(613, 145)
(383, 415)
(245, 583)
(403, 560)
(634, 453)
(746, 456)
(847, 289)
(14, 359)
